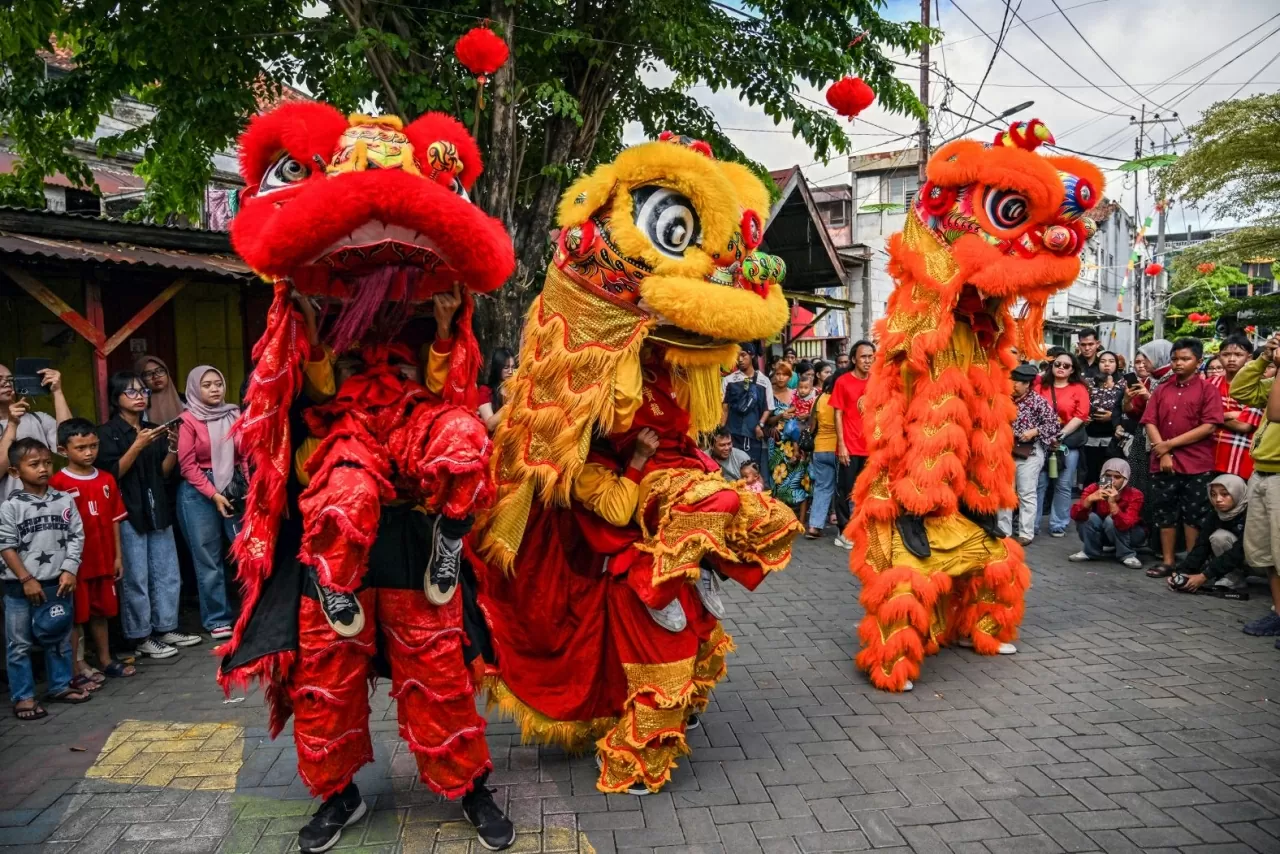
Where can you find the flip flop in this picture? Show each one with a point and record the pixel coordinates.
(66, 697)
(120, 670)
(1160, 571)
(93, 674)
(34, 713)
(85, 684)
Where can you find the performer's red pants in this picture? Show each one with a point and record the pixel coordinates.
(429, 680)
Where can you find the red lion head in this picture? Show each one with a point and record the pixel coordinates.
(332, 201)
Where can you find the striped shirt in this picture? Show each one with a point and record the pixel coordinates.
(1231, 454)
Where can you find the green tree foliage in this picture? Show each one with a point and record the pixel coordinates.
(582, 72)
(1233, 170)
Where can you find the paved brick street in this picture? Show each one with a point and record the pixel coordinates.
(1132, 719)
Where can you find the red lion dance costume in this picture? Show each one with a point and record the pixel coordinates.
(612, 528)
(994, 223)
(351, 497)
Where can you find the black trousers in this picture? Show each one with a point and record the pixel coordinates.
(846, 476)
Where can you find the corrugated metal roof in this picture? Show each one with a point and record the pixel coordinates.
(223, 266)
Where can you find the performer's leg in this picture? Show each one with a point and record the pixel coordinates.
(992, 610)
(330, 695)
(435, 699)
(900, 603)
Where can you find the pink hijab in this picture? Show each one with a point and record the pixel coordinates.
(219, 421)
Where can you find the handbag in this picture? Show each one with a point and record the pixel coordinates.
(1024, 450)
(805, 443)
(237, 490)
(1074, 440)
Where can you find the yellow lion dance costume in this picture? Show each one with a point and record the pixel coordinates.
(993, 224)
(599, 566)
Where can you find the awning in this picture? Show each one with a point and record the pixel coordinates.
(109, 182)
(223, 266)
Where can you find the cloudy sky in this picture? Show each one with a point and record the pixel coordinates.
(1151, 45)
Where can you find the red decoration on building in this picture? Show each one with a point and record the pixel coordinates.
(1154, 268)
(1206, 268)
(850, 96)
(482, 51)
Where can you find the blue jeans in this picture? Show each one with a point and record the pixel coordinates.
(151, 583)
(822, 475)
(1060, 509)
(19, 639)
(204, 528)
(1097, 532)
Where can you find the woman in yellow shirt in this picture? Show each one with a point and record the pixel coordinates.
(822, 464)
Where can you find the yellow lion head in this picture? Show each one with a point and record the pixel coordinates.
(668, 228)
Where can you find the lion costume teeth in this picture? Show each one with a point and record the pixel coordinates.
(994, 224)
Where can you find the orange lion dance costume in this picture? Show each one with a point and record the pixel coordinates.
(603, 564)
(994, 224)
(360, 471)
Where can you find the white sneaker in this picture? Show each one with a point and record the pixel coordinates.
(1079, 557)
(180, 639)
(910, 686)
(1132, 562)
(842, 542)
(152, 648)
(1005, 648)
(709, 593)
(221, 633)
(1024, 540)
(1057, 535)
(671, 618)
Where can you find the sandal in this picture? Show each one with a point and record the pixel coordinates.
(70, 696)
(85, 684)
(33, 713)
(813, 534)
(1162, 570)
(93, 674)
(119, 670)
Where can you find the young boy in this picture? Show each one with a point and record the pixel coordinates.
(1180, 420)
(101, 510)
(41, 540)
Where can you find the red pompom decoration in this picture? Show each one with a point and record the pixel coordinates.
(850, 96)
(1206, 268)
(1154, 269)
(482, 51)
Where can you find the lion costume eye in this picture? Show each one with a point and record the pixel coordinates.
(282, 173)
(1006, 209)
(667, 219)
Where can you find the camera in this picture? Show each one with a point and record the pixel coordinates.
(1178, 580)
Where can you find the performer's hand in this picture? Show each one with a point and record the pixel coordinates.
(445, 305)
(646, 444)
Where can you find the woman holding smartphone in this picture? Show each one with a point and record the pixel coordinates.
(1104, 401)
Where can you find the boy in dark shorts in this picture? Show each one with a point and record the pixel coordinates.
(102, 510)
(1180, 420)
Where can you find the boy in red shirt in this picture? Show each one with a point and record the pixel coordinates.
(851, 442)
(98, 500)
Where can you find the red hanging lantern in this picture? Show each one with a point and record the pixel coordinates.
(1154, 268)
(482, 51)
(849, 96)
(1206, 268)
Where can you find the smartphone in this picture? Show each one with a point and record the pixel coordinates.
(1130, 378)
(173, 425)
(26, 376)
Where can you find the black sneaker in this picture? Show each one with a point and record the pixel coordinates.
(494, 830)
(342, 610)
(694, 722)
(325, 828)
(441, 582)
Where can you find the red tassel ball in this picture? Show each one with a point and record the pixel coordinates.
(1154, 269)
(481, 50)
(1206, 268)
(850, 96)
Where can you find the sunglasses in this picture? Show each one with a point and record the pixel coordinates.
(1062, 365)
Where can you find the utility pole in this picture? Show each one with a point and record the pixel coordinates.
(1156, 296)
(924, 95)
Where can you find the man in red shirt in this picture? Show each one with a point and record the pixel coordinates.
(98, 499)
(851, 443)
(1186, 411)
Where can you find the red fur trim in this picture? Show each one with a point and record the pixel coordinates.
(439, 127)
(305, 129)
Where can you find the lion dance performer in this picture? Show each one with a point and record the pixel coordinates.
(364, 478)
(994, 224)
(612, 529)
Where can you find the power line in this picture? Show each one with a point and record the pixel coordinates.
(1187, 92)
(1004, 30)
(1071, 65)
(1254, 77)
(1101, 58)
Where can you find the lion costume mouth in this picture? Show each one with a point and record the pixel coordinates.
(377, 244)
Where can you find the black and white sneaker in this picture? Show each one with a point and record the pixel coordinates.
(494, 830)
(441, 582)
(341, 610)
(638, 789)
(693, 722)
(325, 828)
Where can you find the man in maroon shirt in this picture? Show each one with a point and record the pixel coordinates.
(851, 449)
(1180, 419)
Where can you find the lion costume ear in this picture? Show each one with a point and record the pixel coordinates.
(586, 195)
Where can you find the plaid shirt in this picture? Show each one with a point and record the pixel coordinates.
(1231, 450)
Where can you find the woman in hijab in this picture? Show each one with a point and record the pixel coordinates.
(166, 404)
(1217, 558)
(1152, 364)
(1109, 514)
(212, 490)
